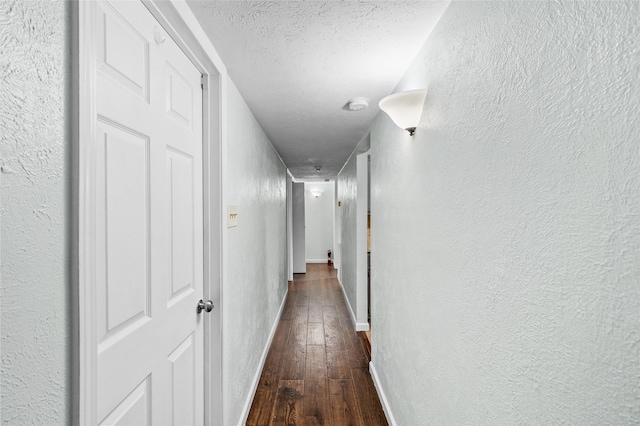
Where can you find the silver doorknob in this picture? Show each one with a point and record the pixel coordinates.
(206, 306)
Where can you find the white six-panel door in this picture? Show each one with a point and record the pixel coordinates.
(148, 224)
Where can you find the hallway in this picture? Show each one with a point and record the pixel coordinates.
(316, 372)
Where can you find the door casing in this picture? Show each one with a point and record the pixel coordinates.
(362, 201)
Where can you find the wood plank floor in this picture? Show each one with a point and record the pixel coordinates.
(316, 371)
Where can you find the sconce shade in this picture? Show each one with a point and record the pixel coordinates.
(405, 108)
(316, 193)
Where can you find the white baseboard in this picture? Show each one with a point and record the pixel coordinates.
(263, 358)
(346, 299)
(362, 326)
(317, 260)
(383, 398)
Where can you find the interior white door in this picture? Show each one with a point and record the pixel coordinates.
(149, 224)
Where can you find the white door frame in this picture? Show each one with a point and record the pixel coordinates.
(289, 226)
(177, 19)
(362, 201)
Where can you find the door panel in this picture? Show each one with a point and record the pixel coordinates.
(179, 97)
(183, 382)
(149, 223)
(123, 54)
(124, 282)
(180, 174)
(134, 409)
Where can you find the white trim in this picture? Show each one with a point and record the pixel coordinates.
(361, 284)
(256, 378)
(189, 23)
(317, 260)
(289, 180)
(360, 326)
(383, 398)
(87, 355)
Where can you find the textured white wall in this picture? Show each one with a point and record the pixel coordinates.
(255, 252)
(506, 251)
(318, 220)
(34, 211)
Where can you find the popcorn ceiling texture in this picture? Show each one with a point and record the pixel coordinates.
(34, 208)
(313, 57)
(255, 252)
(506, 232)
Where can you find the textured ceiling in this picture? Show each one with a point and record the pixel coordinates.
(297, 63)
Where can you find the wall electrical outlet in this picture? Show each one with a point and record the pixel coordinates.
(232, 216)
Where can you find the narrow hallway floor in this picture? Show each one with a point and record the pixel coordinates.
(316, 371)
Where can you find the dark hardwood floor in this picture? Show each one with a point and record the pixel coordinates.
(316, 371)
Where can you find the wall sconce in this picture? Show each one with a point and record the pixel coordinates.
(316, 193)
(405, 108)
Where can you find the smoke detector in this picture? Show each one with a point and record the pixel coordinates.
(358, 104)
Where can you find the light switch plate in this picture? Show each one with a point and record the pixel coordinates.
(232, 216)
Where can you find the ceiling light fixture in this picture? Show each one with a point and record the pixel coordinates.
(358, 104)
(405, 108)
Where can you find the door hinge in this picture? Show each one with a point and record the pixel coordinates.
(202, 81)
